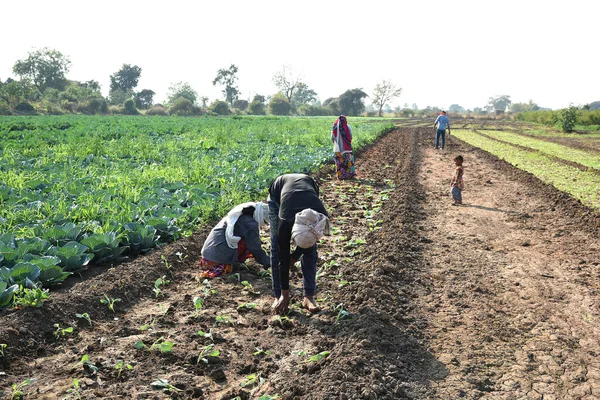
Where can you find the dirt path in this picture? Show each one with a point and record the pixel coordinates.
(496, 299)
(512, 296)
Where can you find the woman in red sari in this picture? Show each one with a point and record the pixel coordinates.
(341, 136)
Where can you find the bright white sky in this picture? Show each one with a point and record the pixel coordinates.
(439, 52)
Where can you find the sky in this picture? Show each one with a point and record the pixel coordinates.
(439, 52)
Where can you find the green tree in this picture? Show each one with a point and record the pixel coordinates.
(129, 107)
(45, 68)
(303, 95)
(280, 105)
(567, 118)
(227, 78)
(125, 79)
(220, 107)
(182, 89)
(385, 91)
(351, 102)
(456, 109)
(499, 103)
(144, 99)
(241, 105)
(523, 107)
(15, 92)
(333, 105)
(257, 105)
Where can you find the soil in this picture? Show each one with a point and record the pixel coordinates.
(497, 299)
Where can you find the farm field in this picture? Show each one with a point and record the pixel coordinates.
(496, 299)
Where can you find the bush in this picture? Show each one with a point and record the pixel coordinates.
(93, 106)
(119, 110)
(25, 107)
(129, 107)
(157, 110)
(4, 109)
(567, 118)
(313, 111)
(183, 106)
(279, 105)
(256, 108)
(220, 107)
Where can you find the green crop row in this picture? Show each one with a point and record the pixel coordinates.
(582, 185)
(135, 181)
(585, 158)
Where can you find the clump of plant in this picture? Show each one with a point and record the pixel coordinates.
(253, 380)
(34, 297)
(198, 304)
(248, 288)
(17, 389)
(161, 344)
(224, 319)
(75, 391)
(164, 385)
(207, 351)
(247, 306)
(159, 285)
(86, 317)
(87, 364)
(341, 313)
(122, 366)
(2, 348)
(62, 332)
(110, 302)
(567, 118)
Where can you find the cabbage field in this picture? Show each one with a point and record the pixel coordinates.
(75, 190)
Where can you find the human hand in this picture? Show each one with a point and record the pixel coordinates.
(282, 305)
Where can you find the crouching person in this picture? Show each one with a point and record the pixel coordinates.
(235, 239)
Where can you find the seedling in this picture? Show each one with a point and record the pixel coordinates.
(354, 243)
(62, 331)
(110, 302)
(2, 347)
(265, 273)
(319, 357)
(159, 286)
(150, 325)
(224, 319)
(235, 277)
(163, 308)
(163, 345)
(208, 335)
(86, 317)
(121, 366)
(31, 297)
(85, 361)
(261, 352)
(269, 397)
(247, 306)
(198, 304)
(207, 289)
(180, 256)
(208, 351)
(341, 312)
(17, 389)
(299, 353)
(165, 385)
(166, 262)
(284, 320)
(253, 379)
(249, 288)
(75, 391)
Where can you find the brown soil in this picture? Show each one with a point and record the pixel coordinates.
(494, 299)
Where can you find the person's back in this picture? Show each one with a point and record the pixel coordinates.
(443, 122)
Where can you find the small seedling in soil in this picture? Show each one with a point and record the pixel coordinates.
(86, 317)
(249, 288)
(224, 319)
(208, 335)
(166, 262)
(163, 345)
(319, 357)
(165, 385)
(265, 273)
(208, 351)
(198, 304)
(145, 327)
(121, 366)
(247, 306)
(62, 331)
(75, 391)
(284, 321)
(31, 297)
(87, 365)
(17, 389)
(341, 312)
(159, 286)
(261, 352)
(299, 353)
(2, 347)
(253, 379)
(163, 308)
(180, 256)
(269, 397)
(110, 302)
(207, 289)
(235, 277)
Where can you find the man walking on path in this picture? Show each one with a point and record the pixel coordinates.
(442, 123)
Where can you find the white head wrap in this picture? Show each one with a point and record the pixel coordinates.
(309, 226)
(261, 215)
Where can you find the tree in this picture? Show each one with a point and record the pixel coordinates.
(257, 105)
(15, 92)
(144, 99)
(333, 105)
(182, 89)
(125, 79)
(45, 68)
(384, 92)
(241, 105)
(220, 107)
(303, 95)
(499, 103)
(456, 109)
(351, 102)
(279, 105)
(129, 107)
(522, 107)
(227, 78)
(287, 82)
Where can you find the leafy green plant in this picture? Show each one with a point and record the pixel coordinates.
(122, 366)
(23, 274)
(159, 285)
(62, 332)
(341, 312)
(31, 297)
(567, 118)
(105, 247)
(73, 256)
(318, 357)
(224, 319)
(163, 345)
(74, 391)
(260, 352)
(207, 351)
(2, 348)
(110, 302)
(269, 397)
(247, 306)
(86, 317)
(208, 335)
(249, 288)
(198, 304)
(140, 238)
(17, 388)
(6, 293)
(253, 380)
(50, 272)
(87, 365)
(165, 385)
(147, 326)
(207, 289)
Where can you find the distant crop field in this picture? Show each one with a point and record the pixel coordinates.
(81, 188)
(568, 162)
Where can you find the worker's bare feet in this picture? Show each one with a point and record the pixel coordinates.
(310, 304)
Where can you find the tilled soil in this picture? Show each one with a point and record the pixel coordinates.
(494, 299)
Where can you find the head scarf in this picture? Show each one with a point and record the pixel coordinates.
(261, 215)
(341, 126)
(309, 226)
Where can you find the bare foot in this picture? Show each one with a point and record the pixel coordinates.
(310, 304)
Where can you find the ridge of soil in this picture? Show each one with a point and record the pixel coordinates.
(421, 300)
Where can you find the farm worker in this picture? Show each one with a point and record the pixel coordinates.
(442, 123)
(341, 136)
(235, 239)
(295, 213)
(456, 184)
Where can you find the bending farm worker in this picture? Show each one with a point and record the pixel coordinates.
(235, 239)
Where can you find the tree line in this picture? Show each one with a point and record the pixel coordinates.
(43, 87)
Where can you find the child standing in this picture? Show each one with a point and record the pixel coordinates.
(457, 181)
